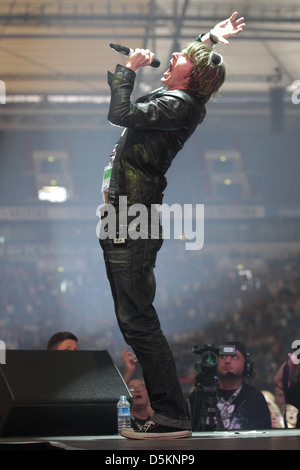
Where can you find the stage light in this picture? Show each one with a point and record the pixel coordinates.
(53, 194)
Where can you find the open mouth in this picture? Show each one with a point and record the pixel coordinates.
(167, 72)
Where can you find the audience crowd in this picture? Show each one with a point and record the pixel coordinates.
(198, 303)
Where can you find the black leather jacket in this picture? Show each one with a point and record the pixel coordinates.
(157, 126)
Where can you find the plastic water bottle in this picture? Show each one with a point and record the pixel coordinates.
(123, 407)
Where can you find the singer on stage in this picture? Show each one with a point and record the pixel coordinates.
(156, 127)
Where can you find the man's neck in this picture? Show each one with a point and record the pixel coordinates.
(140, 414)
(230, 383)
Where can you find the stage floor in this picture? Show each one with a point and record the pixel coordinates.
(113, 447)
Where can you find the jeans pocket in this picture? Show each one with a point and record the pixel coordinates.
(151, 250)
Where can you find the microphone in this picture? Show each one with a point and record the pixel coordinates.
(126, 51)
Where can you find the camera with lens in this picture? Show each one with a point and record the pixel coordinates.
(207, 363)
(209, 354)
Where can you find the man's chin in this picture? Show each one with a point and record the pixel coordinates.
(165, 78)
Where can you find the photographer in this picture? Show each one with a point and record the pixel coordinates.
(221, 400)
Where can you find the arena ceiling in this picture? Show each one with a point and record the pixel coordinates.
(60, 48)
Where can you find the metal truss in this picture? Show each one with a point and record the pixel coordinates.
(132, 14)
(63, 12)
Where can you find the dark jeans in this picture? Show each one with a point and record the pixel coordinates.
(130, 273)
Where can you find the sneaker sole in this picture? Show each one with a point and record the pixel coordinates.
(152, 435)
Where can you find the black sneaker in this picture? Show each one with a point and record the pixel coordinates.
(151, 430)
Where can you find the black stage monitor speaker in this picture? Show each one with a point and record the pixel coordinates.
(59, 393)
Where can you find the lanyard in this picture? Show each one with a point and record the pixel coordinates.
(230, 400)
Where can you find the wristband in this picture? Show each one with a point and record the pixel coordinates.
(212, 38)
(199, 37)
